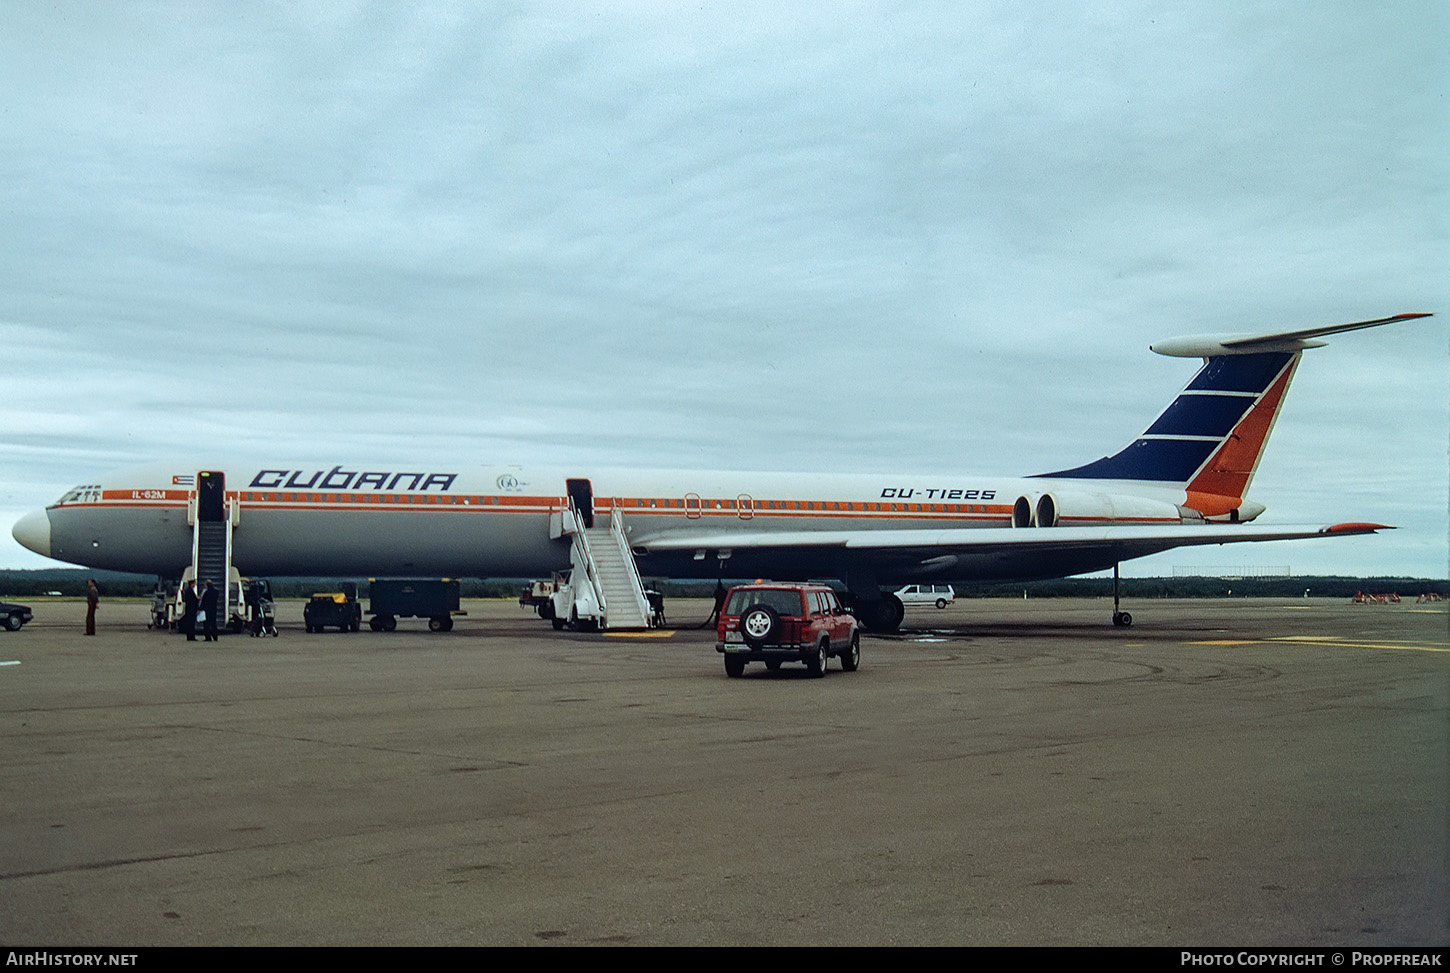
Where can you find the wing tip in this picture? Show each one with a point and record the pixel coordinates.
(1354, 527)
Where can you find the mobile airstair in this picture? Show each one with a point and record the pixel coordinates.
(213, 515)
(605, 588)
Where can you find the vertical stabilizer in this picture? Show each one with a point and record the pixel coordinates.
(1210, 438)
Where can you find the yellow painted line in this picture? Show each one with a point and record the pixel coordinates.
(1331, 642)
(654, 633)
(1335, 643)
(1325, 639)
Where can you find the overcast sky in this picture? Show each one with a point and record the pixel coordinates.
(829, 236)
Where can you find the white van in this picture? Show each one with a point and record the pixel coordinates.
(939, 595)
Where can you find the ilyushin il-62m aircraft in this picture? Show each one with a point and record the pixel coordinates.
(1183, 482)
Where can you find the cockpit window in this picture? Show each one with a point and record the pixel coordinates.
(89, 493)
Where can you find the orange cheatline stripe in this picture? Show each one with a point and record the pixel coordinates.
(653, 506)
(182, 495)
(296, 501)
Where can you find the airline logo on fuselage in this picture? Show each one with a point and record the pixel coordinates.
(338, 478)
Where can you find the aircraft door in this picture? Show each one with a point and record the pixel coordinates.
(582, 493)
(211, 492)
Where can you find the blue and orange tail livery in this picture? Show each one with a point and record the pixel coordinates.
(1210, 438)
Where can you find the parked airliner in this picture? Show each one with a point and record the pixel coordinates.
(1184, 481)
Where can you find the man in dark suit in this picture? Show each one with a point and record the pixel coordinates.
(189, 602)
(93, 600)
(209, 610)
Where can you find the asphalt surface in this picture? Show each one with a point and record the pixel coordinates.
(1223, 773)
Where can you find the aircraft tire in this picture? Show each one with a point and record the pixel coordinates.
(881, 615)
(734, 666)
(895, 612)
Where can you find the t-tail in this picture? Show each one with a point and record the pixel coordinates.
(1208, 441)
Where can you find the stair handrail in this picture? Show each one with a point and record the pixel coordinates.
(587, 560)
(616, 530)
(195, 531)
(234, 516)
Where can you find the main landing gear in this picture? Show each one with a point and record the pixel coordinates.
(1120, 618)
(880, 614)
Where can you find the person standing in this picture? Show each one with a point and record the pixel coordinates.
(189, 602)
(93, 601)
(208, 611)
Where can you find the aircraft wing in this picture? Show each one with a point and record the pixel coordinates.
(988, 551)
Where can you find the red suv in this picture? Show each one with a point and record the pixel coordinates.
(775, 623)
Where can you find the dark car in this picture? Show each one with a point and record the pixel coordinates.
(14, 616)
(775, 623)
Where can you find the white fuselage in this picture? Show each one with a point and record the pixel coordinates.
(496, 522)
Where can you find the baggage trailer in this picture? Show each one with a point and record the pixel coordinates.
(390, 599)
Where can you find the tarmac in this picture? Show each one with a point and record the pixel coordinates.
(1236, 773)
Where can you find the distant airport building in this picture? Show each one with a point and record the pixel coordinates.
(1235, 572)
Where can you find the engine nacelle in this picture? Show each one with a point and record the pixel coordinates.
(1095, 509)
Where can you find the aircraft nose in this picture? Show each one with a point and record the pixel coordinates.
(33, 532)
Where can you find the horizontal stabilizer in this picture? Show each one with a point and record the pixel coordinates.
(1210, 346)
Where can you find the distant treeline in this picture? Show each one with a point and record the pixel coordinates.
(1200, 587)
(72, 582)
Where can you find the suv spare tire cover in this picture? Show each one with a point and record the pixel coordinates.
(758, 624)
